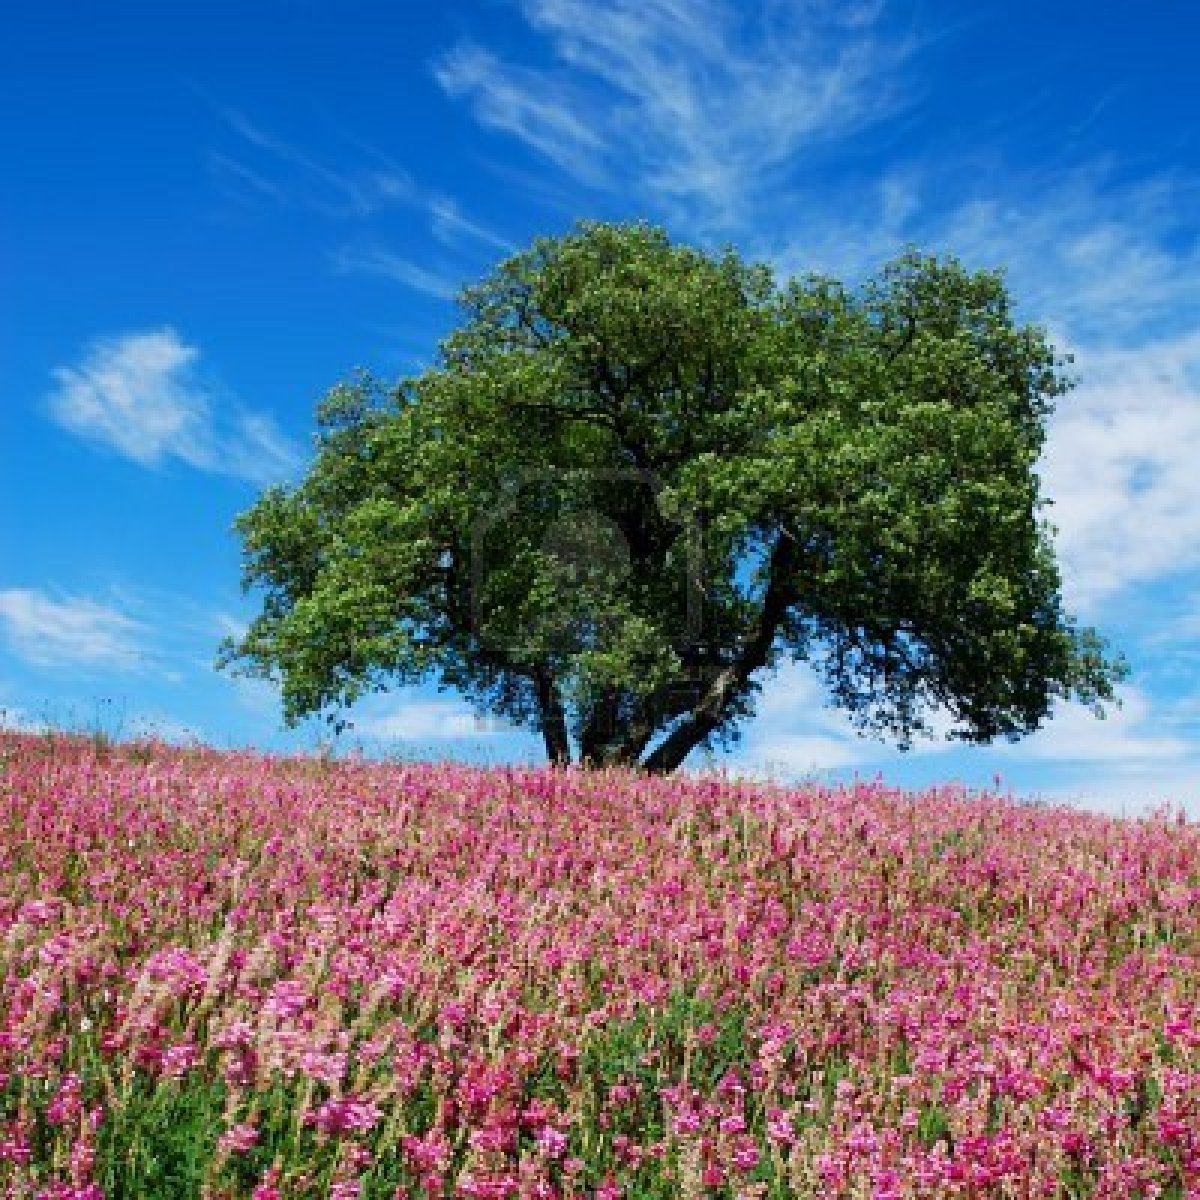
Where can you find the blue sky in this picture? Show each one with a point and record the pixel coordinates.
(211, 213)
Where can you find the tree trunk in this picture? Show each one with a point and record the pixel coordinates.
(600, 731)
(554, 721)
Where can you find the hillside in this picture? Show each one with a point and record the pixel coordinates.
(234, 975)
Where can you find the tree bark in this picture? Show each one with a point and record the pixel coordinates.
(554, 720)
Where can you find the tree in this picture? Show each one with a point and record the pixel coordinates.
(640, 476)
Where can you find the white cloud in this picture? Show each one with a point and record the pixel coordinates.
(1139, 735)
(375, 260)
(128, 394)
(1110, 263)
(1132, 736)
(361, 188)
(800, 753)
(1135, 791)
(421, 720)
(142, 395)
(17, 720)
(698, 104)
(794, 731)
(69, 632)
(448, 222)
(1120, 467)
(520, 103)
(359, 192)
(14, 719)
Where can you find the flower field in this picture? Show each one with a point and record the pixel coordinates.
(226, 975)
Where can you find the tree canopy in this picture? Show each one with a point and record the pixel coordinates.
(640, 476)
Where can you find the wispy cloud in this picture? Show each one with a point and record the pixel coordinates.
(243, 179)
(450, 226)
(527, 104)
(142, 395)
(228, 625)
(1176, 626)
(698, 105)
(376, 260)
(69, 632)
(141, 725)
(1109, 263)
(1088, 254)
(354, 191)
(1133, 792)
(794, 732)
(797, 754)
(363, 186)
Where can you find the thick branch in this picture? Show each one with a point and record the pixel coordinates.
(709, 712)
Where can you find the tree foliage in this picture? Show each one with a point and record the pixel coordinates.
(640, 476)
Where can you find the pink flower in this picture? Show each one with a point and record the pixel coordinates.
(238, 1138)
(745, 1155)
(779, 1127)
(551, 1142)
(179, 1059)
(347, 1114)
(68, 1103)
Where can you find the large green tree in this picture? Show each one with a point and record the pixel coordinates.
(640, 476)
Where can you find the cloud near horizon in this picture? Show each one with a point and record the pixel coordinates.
(69, 632)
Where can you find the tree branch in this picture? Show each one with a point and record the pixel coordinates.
(708, 713)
